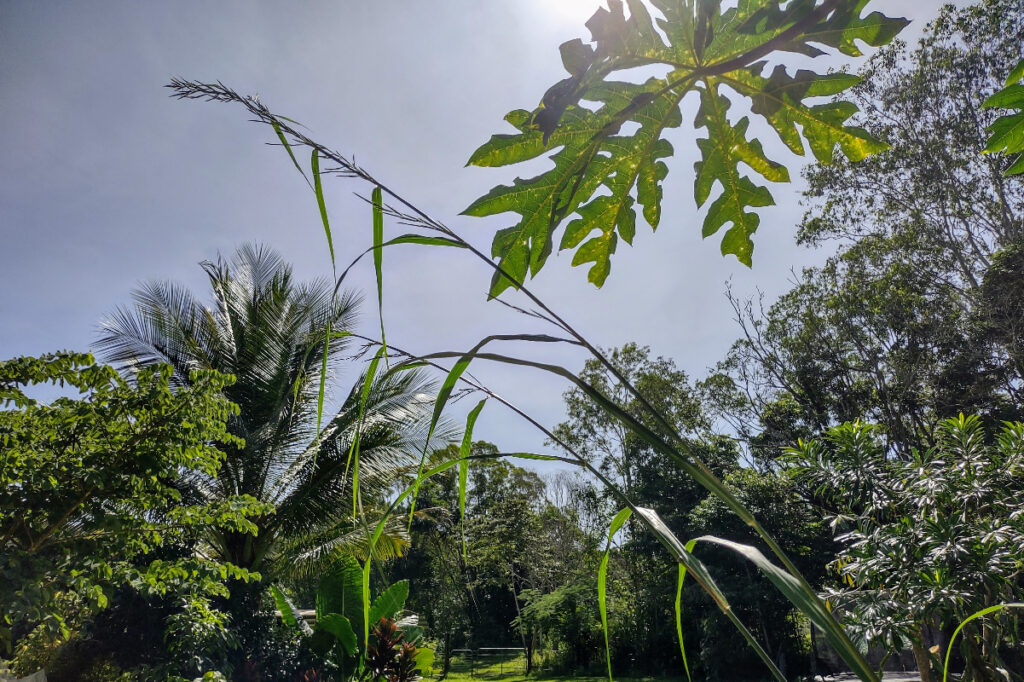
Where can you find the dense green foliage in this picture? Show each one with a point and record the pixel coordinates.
(926, 542)
(91, 501)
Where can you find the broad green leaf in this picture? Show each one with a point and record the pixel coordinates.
(424, 660)
(1017, 74)
(340, 591)
(722, 151)
(341, 628)
(284, 607)
(464, 451)
(1006, 134)
(390, 601)
(606, 139)
(602, 577)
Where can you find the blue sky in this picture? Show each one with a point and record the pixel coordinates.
(106, 182)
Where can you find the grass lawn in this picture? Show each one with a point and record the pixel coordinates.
(540, 677)
(512, 670)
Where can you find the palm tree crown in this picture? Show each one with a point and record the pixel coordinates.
(269, 332)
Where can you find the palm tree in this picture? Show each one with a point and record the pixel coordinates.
(269, 332)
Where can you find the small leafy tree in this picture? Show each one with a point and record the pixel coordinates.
(930, 540)
(89, 494)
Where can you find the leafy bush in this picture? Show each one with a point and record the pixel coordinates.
(932, 539)
(89, 494)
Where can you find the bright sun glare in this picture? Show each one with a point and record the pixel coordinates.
(578, 10)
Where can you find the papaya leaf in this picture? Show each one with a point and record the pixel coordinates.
(1006, 134)
(606, 137)
(722, 151)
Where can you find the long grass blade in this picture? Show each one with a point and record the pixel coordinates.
(679, 618)
(791, 588)
(353, 448)
(684, 555)
(467, 444)
(323, 383)
(318, 188)
(378, 257)
(602, 577)
(453, 376)
(288, 148)
(425, 241)
(977, 614)
(366, 601)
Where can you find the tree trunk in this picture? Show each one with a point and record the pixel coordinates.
(447, 653)
(924, 662)
(813, 652)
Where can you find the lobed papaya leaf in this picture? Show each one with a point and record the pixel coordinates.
(1006, 134)
(601, 178)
